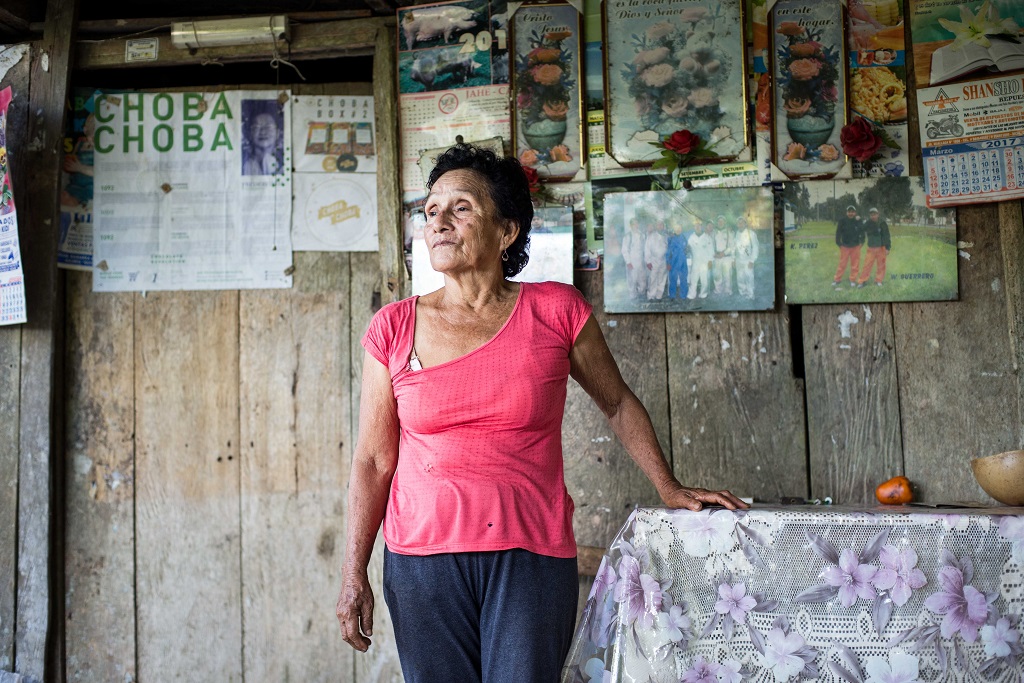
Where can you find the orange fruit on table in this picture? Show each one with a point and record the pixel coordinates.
(896, 491)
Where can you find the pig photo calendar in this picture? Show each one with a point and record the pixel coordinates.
(453, 74)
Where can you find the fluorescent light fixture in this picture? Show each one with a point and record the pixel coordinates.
(225, 32)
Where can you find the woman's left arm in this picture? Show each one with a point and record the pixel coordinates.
(593, 366)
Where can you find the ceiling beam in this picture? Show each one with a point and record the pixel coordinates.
(351, 38)
(123, 27)
(382, 6)
(11, 23)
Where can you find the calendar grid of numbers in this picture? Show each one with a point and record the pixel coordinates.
(972, 141)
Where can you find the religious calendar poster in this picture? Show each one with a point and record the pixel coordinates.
(334, 187)
(12, 279)
(972, 141)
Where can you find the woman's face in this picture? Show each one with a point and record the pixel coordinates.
(464, 231)
(264, 131)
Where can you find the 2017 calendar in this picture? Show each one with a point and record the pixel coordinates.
(972, 141)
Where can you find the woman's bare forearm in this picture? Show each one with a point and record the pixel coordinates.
(367, 500)
(632, 425)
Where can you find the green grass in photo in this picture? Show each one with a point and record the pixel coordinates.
(920, 267)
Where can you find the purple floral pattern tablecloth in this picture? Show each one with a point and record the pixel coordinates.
(774, 594)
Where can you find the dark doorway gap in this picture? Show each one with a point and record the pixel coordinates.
(333, 70)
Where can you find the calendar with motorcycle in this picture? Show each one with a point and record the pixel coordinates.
(972, 140)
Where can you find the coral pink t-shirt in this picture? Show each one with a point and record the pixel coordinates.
(480, 455)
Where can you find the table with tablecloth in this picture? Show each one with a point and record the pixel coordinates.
(828, 593)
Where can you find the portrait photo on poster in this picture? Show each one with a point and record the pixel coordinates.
(869, 240)
(262, 137)
(698, 250)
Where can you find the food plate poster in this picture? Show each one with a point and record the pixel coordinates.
(335, 180)
(193, 191)
(878, 86)
(453, 74)
(12, 279)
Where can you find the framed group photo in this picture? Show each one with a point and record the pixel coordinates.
(679, 250)
(675, 65)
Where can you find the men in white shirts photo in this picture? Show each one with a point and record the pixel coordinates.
(702, 252)
(633, 255)
(655, 249)
(746, 251)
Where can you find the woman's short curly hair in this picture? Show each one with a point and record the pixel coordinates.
(509, 190)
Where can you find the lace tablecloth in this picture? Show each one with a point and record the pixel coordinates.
(880, 595)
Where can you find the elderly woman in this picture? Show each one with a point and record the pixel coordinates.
(460, 449)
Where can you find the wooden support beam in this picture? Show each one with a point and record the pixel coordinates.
(122, 27)
(40, 599)
(395, 283)
(17, 77)
(1011, 234)
(382, 6)
(353, 38)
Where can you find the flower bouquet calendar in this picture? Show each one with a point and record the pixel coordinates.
(808, 104)
(547, 111)
(674, 65)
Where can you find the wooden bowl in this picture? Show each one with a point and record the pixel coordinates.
(1002, 476)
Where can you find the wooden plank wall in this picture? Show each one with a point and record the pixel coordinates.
(209, 441)
(242, 406)
(209, 436)
(10, 378)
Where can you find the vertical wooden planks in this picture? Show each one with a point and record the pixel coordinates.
(737, 410)
(188, 590)
(958, 390)
(10, 375)
(1011, 234)
(39, 627)
(10, 380)
(603, 480)
(380, 664)
(853, 411)
(293, 367)
(100, 494)
(390, 231)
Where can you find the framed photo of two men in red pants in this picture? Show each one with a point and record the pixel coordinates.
(870, 240)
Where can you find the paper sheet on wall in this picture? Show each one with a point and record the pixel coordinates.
(12, 280)
(195, 191)
(333, 134)
(972, 141)
(335, 181)
(551, 252)
(334, 212)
